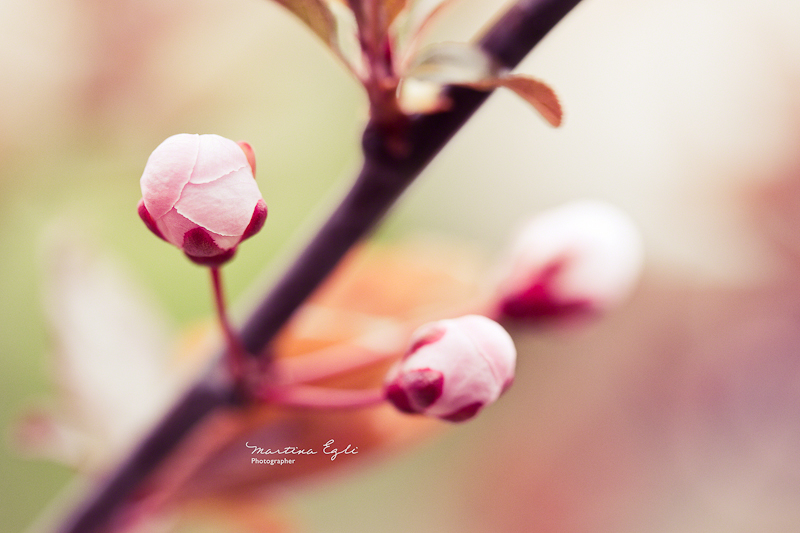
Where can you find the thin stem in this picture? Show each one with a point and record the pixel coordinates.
(235, 354)
(329, 362)
(311, 397)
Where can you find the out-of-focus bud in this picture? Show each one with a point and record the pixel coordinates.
(584, 256)
(199, 193)
(453, 368)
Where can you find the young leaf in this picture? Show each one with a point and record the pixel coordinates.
(535, 92)
(110, 359)
(467, 65)
(412, 26)
(316, 15)
(334, 23)
(452, 64)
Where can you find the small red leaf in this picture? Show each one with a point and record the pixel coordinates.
(334, 23)
(316, 15)
(538, 94)
(533, 91)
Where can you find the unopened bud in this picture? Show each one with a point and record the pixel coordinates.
(453, 368)
(583, 256)
(199, 193)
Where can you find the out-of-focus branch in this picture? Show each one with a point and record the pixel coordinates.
(385, 174)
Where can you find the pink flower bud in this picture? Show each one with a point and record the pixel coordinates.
(199, 193)
(453, 368)
(583, 256)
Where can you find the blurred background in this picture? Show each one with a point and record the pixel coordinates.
(678, 412)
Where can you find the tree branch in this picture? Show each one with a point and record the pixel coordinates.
(384, 176)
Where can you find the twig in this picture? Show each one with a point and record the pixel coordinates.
(311, 397)
(384, 176)
(236, 356)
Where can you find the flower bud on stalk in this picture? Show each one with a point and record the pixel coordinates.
(453, 368)
(199, 193)
(584, 256)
